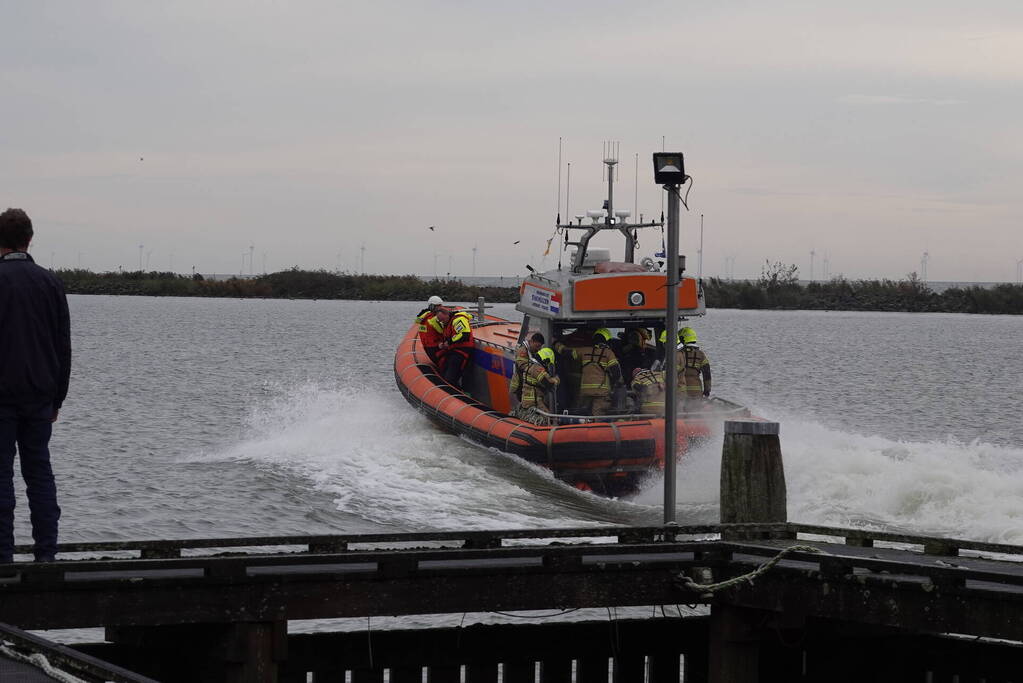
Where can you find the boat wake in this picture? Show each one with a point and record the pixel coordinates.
(942, 487)
(947, 487)
(383, 463)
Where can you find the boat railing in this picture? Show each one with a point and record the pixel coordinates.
(718, 410)
(564, 418)
(542, 278)
(721, 406)
(484, 342)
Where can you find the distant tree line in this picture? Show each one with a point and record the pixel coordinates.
(287, 284)
(778, 287)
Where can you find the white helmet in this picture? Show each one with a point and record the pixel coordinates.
(435, 301)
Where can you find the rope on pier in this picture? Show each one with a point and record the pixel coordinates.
(40, 662)
(707, 590)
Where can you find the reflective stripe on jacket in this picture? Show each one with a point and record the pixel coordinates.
(600, 371)
(459, 330)
(694, 376)
(431, 331)
(536, 381)
(649, 388)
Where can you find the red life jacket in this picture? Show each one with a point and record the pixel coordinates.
(431, 331)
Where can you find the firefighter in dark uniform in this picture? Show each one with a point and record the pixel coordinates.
(633, 352)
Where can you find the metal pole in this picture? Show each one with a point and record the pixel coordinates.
(671, 363)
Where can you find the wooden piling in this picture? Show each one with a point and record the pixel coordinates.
(752, 474)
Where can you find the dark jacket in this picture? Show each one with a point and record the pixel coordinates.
(35, 333)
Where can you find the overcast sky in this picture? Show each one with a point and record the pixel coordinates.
(869, 132)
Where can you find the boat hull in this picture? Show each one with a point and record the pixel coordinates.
(610, 458)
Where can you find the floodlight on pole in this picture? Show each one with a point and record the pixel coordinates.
(669, 168)
(669, 171)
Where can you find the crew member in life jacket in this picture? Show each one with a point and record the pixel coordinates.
(524, 354)
(536, 382)
(694, 369)
(431, 330)
(456, 349)
(648, 386)
(601, 375)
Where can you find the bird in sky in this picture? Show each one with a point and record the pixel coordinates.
(516, 241)
(431, 228)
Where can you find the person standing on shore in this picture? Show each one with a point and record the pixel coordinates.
(35, 369)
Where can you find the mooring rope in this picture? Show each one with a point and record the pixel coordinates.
(707, 590)
(40, 662)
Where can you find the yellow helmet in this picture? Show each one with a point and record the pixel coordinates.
(546, 355)
(603, 333)
(686, 335)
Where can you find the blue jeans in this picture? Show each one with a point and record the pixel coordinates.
(28, 427)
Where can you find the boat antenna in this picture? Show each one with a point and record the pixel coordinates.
(558, 220)
(568, 213)
(662, 194)
(699, 266)
(635, 193)
(568, 193)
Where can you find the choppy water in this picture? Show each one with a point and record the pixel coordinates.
(217, 417)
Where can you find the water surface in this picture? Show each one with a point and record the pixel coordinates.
(216, 417)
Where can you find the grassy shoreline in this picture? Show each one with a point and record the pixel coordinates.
(776, 289)
(287, 284)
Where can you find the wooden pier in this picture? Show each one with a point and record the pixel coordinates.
(787, 602)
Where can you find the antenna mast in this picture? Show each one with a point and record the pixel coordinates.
(558, 219)
(699, 263)
(610, 222)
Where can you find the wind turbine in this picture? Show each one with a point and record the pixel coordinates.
(812, 254)
(923, 265)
